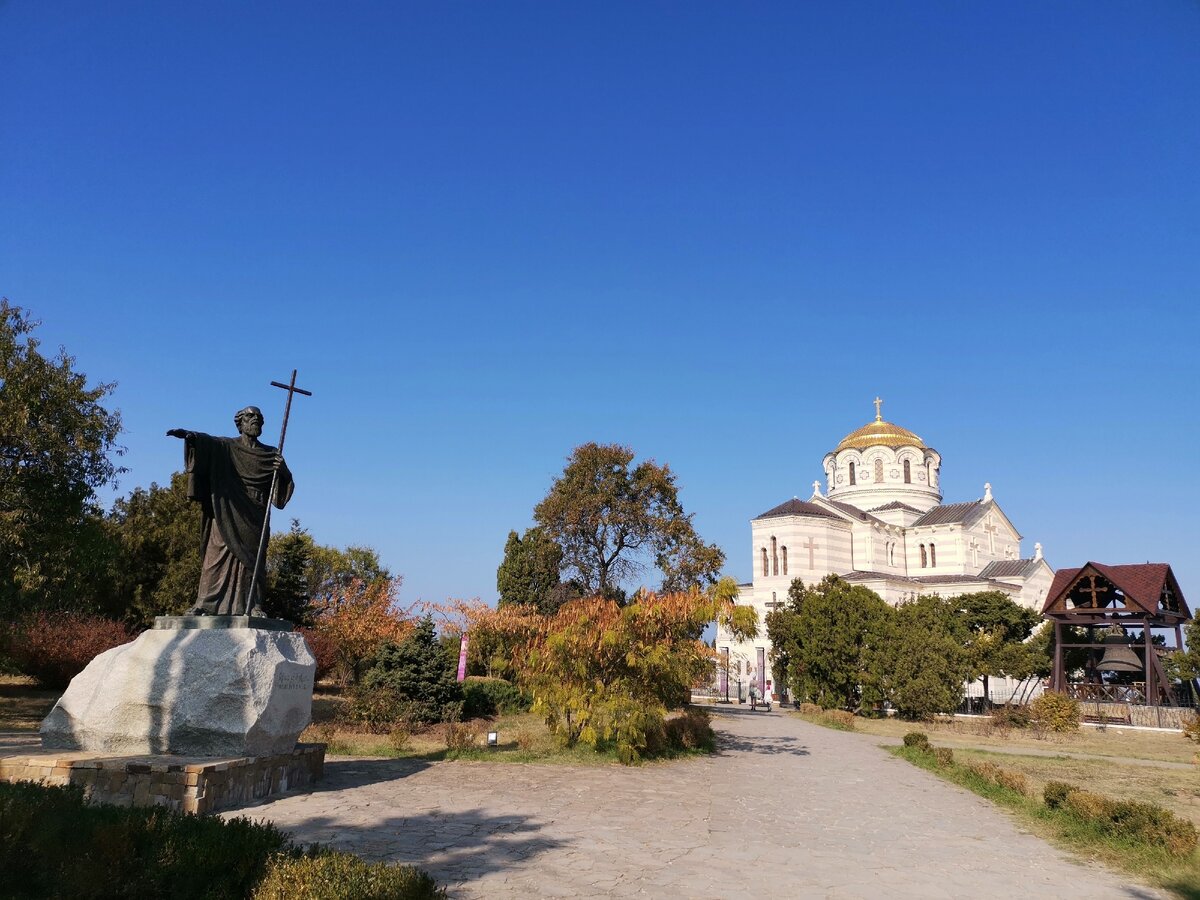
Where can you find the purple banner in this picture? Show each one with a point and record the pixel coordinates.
(462, 658)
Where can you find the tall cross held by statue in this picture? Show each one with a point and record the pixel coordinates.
(291, 388)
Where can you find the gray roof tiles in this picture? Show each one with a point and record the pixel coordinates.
(796, 507)
(950, 513)
(1008, 568)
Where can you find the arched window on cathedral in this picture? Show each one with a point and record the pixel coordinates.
(853, 480)
(878, 470)
(784, 549)
(892, 553)
(929, 472)
(924, 557)
(766, 571)
(932, 555)
(907, 473)
(774, 557)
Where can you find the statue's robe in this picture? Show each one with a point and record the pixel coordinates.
(230, 481)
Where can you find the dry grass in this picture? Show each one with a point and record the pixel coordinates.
(1164, 746)
(523, 738)
(1176, 789)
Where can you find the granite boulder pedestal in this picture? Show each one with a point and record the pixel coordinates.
(206, 707)
(192, 686)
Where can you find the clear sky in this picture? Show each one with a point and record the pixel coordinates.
(487, 232)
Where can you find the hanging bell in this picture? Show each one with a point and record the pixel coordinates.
(1119, 655)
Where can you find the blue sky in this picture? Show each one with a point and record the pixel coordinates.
(487, 232)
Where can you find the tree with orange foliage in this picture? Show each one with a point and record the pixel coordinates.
(601, 673)
(359, 620)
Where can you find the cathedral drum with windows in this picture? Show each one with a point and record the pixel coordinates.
(881, 523)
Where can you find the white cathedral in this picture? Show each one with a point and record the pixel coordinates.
(881, 524)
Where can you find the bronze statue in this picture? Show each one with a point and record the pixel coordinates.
(230, 479)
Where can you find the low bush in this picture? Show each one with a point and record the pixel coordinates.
(484, 697)
(917, 739)
(526, 738)
(52, 844)
(944, 756)
(1131, 819)
(1054, 712)
(692, 730)
(810, 709)
(327, 875)
(1010, 715)
(54, 647)
(400, 735)
(1191, 729)
(459, 735)
(324, 648)
(1055, 793)
(1006, 778)
(1013, 780)
(840, 719)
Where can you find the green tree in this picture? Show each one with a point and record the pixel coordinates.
(1184, 664)
(610, 520)
(921, 664)
(825, 638)
(333, 570)
(288, 562)
(529, 572)
(57, 440)
(157, 535)
(997, 629)
(418, 675)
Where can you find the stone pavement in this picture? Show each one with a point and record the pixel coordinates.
(785, 809)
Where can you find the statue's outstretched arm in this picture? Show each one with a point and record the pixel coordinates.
(180, 433)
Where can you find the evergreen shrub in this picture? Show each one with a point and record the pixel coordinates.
(54, 647)
(415, 679)
(917, 739)
(52, 844)
(1055, 712)
(327, 875)
(484, 697)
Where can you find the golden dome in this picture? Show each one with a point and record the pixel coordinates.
(879, 434)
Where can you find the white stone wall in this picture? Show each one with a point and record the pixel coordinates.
(868, 491)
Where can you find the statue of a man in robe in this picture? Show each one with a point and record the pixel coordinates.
(230, 479)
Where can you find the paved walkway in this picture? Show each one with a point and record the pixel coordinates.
(786, 809)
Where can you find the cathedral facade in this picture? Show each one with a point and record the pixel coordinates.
(881, 523)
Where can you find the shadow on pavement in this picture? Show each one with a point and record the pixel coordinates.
(452, 847)
(730, 743)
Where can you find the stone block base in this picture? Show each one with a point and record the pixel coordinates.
(188, 784)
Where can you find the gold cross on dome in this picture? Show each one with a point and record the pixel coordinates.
(878, 406)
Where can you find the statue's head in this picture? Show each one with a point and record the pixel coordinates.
(249, 421)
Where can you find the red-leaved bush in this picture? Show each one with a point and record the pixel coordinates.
(55, 647)
(324, 648)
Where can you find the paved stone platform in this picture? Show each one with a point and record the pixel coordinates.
(785, 810)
